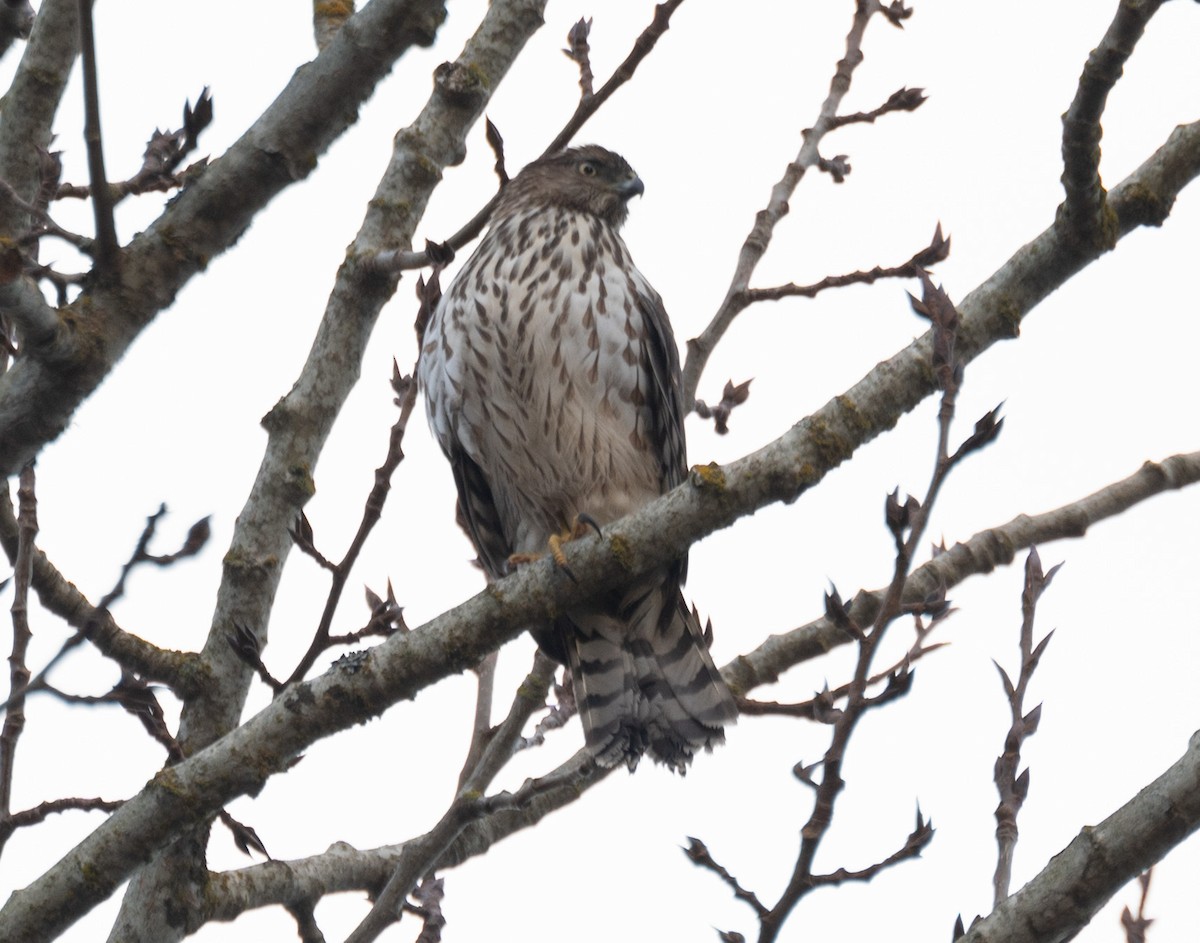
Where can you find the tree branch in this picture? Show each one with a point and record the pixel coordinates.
(1013, 786)
(31, 103)
(106, 248)
(23, 305)
(18, 671)
(1084, 216)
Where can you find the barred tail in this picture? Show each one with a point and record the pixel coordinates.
(645, 681)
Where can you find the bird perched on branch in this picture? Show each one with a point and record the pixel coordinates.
(552, 384)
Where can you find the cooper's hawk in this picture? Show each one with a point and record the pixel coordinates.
(552, 383)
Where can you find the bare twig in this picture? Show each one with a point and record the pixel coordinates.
(428, 896)
(387, 618)
(916, 842)
(1078, 881)
(61, 597)
(1013, 788)
(18, 673)
(197, 537)
(937, 251)
(809, 709)
(244, 836)
(1136, 927)
(906, 99)
(699, 854)
(731, 397)
(496, 143)
(559, 714)
(164, 153)
(244, 642)
(579, 52)
(61, 281)
(106, 253)
(481, 727)
(405, 388)
(138, 699)
(983, 552)
(421, 855)
(642, 47)
(44, 224)
(43, 810)
(505, 739)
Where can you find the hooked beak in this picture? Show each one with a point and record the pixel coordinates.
(627, 189)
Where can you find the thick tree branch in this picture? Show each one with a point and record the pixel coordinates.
(1083, 215)
(328, 17)
(23, 305)
(31, 103)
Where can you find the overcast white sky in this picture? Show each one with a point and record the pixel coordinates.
(1102, 379)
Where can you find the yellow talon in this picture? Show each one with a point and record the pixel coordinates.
(582, 524)
(555, 543)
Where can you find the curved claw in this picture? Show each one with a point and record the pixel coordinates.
(583, 520)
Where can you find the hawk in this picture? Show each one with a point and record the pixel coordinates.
(552, 384)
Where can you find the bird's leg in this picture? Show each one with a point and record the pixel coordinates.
(582, 524)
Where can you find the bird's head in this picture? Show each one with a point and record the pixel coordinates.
(589, 179)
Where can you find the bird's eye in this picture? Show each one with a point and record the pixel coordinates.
(588, 169)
